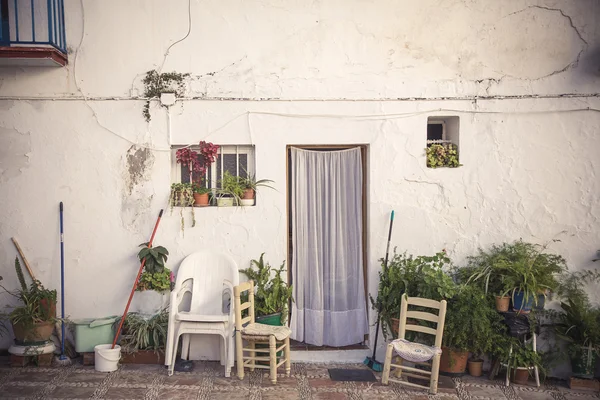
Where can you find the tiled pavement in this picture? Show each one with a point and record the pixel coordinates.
(308, 381)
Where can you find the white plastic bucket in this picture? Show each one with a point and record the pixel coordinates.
(105, 358)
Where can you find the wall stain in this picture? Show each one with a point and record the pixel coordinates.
(139, 160)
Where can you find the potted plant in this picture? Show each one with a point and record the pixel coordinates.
(578, 321)
(273, 294)
(33, 321)
(155, 281)
(201, 195)
(422, 276)
(250, 185)
(230, 191)
(522, 360)
(144, 338)
(531, 273)
(182, 195)
(471, 325)
(488, 269)
(442, 155)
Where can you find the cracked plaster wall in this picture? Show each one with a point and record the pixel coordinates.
(524, 175)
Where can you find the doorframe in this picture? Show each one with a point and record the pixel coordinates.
(364, 160)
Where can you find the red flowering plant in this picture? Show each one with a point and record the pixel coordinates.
(198, 165)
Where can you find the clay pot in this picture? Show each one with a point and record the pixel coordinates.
(48, 308)
(520, 376)
(475, 367)
(40, 332)
(453, 361)
(248, 194)
(200, 199)
(502, 303)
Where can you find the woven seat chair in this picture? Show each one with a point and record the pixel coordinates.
(246, 329)
(416, 353)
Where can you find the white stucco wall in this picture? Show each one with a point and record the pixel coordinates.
(272, 73)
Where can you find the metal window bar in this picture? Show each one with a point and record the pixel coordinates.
(438, 141)
(15, 29)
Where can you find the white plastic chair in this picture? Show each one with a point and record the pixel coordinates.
(201, 303)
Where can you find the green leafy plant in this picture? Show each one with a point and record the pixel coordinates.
(200, 189)
(472, 324)
(155, 257)
(158, 281)
(422, 276)
(442, 155)
(155, 84)
(182, 195)
(38, 304)
(273, 294)
(523, 356)
(141, 333)
(230, 186)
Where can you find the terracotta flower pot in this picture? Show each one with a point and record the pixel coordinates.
(248, 194)
(502, 303)
(453, 361)
(200, 199)
(520, 376)
(40, 332)
(475, 367)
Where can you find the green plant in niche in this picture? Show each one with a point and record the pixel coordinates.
(272, 293)
(442, 155)
(155, 84)
(182, 195)
(156, 275)
(141, 333)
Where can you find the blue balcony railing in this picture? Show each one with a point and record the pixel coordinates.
(33, 23)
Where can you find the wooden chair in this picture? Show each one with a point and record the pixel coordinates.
(250, 331)
(415, 352)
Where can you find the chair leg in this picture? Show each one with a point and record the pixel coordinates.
(398, 371)
(173, 355)
(273, 359)
(507, 381)
(222, 351)
(230, 351)
(239, 355)
(288, 357)
(185, 347)
(252, 345)
(387, 365)
(435, 373)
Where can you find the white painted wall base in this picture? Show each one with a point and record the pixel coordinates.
(331, 356)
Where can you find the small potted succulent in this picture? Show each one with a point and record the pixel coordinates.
(442, 155)
(250, 186)
(182, 195)
(230, 191)
(201, 195)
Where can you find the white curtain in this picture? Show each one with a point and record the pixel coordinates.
(327, 257)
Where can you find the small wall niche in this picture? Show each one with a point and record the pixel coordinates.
(443, 142)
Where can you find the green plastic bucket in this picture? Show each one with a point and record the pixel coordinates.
(273, 320)
(91, 332)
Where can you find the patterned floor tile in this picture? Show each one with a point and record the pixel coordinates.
(133, 380)
(485, 392)
(184, 380)
(238, 395)
(85, 378)
(125, 393)
(330, 396)
(179, 393)
(68, 392)
(33, 376)
(278, 395)
(10, 392)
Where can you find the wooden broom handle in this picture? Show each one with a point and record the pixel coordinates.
(24, 259)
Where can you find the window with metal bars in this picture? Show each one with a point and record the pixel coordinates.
(237, 159)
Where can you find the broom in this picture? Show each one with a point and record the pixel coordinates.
(62, 359)
(371, 362)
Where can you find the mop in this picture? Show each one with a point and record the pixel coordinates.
(371, 362)
(62, 359)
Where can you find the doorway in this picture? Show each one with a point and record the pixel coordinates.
(327, 243)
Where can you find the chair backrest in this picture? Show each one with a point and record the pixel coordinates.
(248, 305)
(204, 272)
(438, 319)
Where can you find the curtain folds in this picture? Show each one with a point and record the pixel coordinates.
(327, 258)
